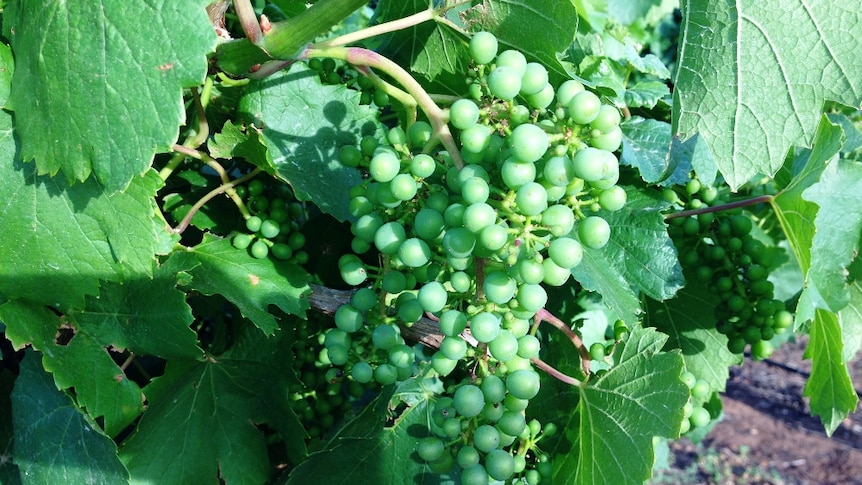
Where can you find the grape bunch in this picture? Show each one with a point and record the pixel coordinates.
(472, 246)
(719, 250)
(272, 224)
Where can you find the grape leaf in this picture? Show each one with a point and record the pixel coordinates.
(9, 472)
(646, 144)
(626, 12)
(7, 67)
(692, 154)
(200, 424)
(249, 283)
(54, 442)
(378, 452)
(704, 350)
(237, 141)
(838, 194)
(639, 257)
(645, 94)
(108, 77)
(829, 387)
(83, 362)
(850, 318)
(619, 413)
(753, 77)
(304, 123)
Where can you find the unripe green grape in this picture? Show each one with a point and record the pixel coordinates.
(409, 311)
(432, 296)
(688, 379)
(535, 78)
(474, 475)
(494, 237)
(385, 374)
(499, 465)
(504, 82)
(485, 326)
(414, 252)
(531, 199)
(428, 224)
(486, 438)
(468, 400)
(492, 411)
(699, 417)
(384, 166)
(453, 216)
(242, 241)
(518, 326)
(530, 271)
(607, 119)
(515, 404)
(270, 229)
(528, 142)
(397, 136)
(259, 249)
(452, 322)
(532, 298)
(362, 372)
(430, 448)
(523, 384)
(493, 388)
(467, 457)
(566, 252)
(422, 166)
(483, 47)
(567, 91)
(348, 318)
(442, 364)
(513, 59)
(364, 299)
(459, 242)
(512, 423)
(461, 281)
(475, 190)
(366, 226)
(610, 141)
(381, 98)
(528, 347)
(463, 113)
(401, 356)
(559, 219)
(543, 98)
(253, 223)
(516, 173)
(504, 346)
(499, 287)
(554, 274)
(594, 232)
(559, 171)
(255, 187)
(583, 107)
(385, 336)
(475, 138)
(281, 251)
(597, 351)
(403, 186)
(762, 349)
(350, 156)
(389, 237)
(478, 216)
(593, 164)
(701, 389)
(394, 282)
(359, 206)
(453, 347)
(783, 319)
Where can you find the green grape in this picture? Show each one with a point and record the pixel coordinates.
(493, 237)
(762, 349)
(401, 356)
(255, 188)
(485, 326)
(270, 229)
(381, 98)
(559, 219)
(783, 319)
(353, 273)
(366, 226)
(385, 374)
(253, 223)
(483, 47)
(394, 282)
(428, 224)
(281, 251)
(419, 133)
(486, 438)
(350, 156)
(701, 389)
(385, 336)
(567, 91)
(528, 347)
(348, 318)
(360, 206)
(459, 242)
(531, 199)
(422, 166)
(259, 249)
(512, 423)
(504, 346)
(535, 78)
(699, 417)
(296, 240)
(513, 59)
(442, 364)
(610, 141)
(467, 457)
(516, 173)
(593, 164)
(409, 311)
(463, 114)
(523, 384)
(475, 138)
(597, 351)
(242, 241)
(432, 296)
(338, 354)
(528, 142)
(430, 448)
(532, 298)
(594, 232)
(543, 98)
(414, 252)
(493, 388)
(499, 287)
(474, 475)
(452, 322)
(478, 216)
(559, 171)
(389, 237)
(607, 119)
(530, 271)
(403, 186)
(397, 136)
(475, 190)
(468, 400)
(584, 107)
(367, 145)
(454, 348)
(384, 166)
(504, 82)
(461, 281)
(566, 252)
(362, 372)
(515, 404)
(499, 464)
(688, 379)
(554, 274)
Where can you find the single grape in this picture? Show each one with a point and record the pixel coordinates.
(523, 384)
(475, 190)
(474, 475)
(459, 242)
(566, 252)
(504, 346)
(688, 379)
(594, 232)
(242, 241)
(535, 78)
(567, 91)
(432, 296)
(493, 388)
(486, 438)
(583, 107)
(385, 336)
(409, 310)
(454, 348)
(414, 252)
(528, 347)
(348, 318)
(610, 141)
(255, 187)
(531, 199)
(499, 287)
(442, 364)
(467, 457)
(463, 113)
(555, 275)
(430, 448)
(528, 142)
(532, 298)
(270, 229)
(593, 164)
(485, 326)
(559, 219)
(478, 216)
(559, 171)
(597, 351)
(699, 417)
(389, 237)
(468, 400)
(483, 47)
(504, 82)
(513, 59)
(385, 374)
(362, 372)
(543, 98)
(475, 138)
(499, 464)
(253, 223)
(516, 173)
(259, 249)
(384, 166)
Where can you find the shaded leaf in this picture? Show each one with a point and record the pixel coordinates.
(646, 144)
(645, 94)
(7, 67)
(110, 103)
(753, 77)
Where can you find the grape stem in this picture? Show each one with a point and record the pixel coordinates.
(541, 364)
(184, 224)
(723, 207)
(250, 24)
(544, 315)
(195, 140)
(363, 57)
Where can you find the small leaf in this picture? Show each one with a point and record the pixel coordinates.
(54, 442)
(236, 141)
(304, 123)
(249, 283)
(619, 413)
(646, 94)
(692, 154)
(108, 77)
(645, 147)
(626, 12)
(752, 78)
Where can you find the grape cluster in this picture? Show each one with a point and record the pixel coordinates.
(472, 247)
(695, 414)
(719, 250)
(273, 223)
(334, 73)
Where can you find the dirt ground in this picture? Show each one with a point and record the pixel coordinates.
(768, 436)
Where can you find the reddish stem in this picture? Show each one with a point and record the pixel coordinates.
(544, 315)
(541, 364)
(723, 207)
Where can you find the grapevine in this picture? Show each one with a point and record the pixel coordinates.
(407, 242)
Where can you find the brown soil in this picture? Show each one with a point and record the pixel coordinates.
(768, 435)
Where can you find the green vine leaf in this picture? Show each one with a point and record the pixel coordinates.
(646, 144)
(752, 79)
(108, 77)
(619, 413)
(7, 67)
(54, 442)
(215, 406)
(304, 123)
(249, 283)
